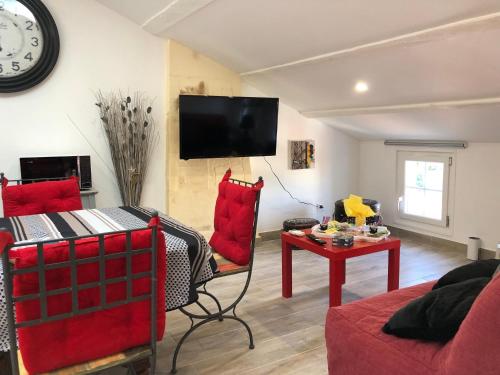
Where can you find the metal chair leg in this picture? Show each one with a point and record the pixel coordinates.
(131, 369)
(183, 338)
(208, 314)
(220, 315)
(152, 366)
(219, 307)
(250, 335)
(199, 324)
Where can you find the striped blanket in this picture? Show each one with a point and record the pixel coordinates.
(189, 257)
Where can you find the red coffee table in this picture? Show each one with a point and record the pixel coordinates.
(337, 257)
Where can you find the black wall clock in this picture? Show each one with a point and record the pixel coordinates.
(29, 44)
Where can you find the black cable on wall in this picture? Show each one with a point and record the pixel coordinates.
(320, 206)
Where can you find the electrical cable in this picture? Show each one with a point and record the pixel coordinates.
(285, 189)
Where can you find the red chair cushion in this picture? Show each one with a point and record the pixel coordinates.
(41, 197)
(94, 335)
(233, 222)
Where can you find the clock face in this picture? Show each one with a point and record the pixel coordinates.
(29, 44)
(21, 39)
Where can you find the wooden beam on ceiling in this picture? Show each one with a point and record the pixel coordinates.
(351, 111)
(416, 36)
(173, 13)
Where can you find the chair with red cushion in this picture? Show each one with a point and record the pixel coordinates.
(40, 197)
(233, 243)
(86, 303)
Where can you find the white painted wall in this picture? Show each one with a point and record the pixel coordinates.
(334, 176)
(476, 184)
(100, 50)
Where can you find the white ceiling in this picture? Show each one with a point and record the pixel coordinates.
(138, 11)
(472, 124)
(399, 47)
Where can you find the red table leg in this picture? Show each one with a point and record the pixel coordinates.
(337, 278)
(393, 269)
(286, 269)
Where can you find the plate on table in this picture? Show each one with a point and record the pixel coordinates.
(358, 235)
(372, 237)
(330, 233)
(321, 233)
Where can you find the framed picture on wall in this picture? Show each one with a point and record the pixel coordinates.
(301, 154)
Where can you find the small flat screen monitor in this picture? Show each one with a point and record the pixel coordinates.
(57, 167)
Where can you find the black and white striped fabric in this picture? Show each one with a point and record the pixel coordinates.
(189, 257)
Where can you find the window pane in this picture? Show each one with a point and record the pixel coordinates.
(414, 174)
(424, 203)
(434, 176)
(433, 204)
(423, 186)
(414, 201)
(424, 189)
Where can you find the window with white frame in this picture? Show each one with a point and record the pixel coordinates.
(423, 182)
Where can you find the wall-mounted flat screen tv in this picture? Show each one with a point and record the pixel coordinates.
(222, 126)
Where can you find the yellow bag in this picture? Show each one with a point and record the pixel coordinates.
(354, 207)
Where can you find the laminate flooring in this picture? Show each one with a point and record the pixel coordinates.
(289, 333)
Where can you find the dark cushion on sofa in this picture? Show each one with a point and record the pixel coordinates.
(480, 268)
(497, 272)
(437, 315)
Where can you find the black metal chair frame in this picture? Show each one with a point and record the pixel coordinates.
(72, 263)
(221, 314)
(31, 180)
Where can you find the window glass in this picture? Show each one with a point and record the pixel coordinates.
(424, 188)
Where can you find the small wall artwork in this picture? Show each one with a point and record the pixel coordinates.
(301, 154)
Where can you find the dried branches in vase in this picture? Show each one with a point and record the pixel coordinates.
(132, 135)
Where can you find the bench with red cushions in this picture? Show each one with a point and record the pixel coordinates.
(41, 197)
(92, 335)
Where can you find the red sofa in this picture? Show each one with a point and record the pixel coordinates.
(356, 344)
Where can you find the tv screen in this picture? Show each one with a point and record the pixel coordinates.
(222, 126)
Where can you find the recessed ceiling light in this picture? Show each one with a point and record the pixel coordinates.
(361, 86)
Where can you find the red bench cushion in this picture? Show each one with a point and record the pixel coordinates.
(41, 197)
(233, 221)
(94, 335)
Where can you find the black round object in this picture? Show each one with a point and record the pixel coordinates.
(299, 223)
(48, 56)
(340, 215)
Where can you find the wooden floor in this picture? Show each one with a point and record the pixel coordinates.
(289, 333)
